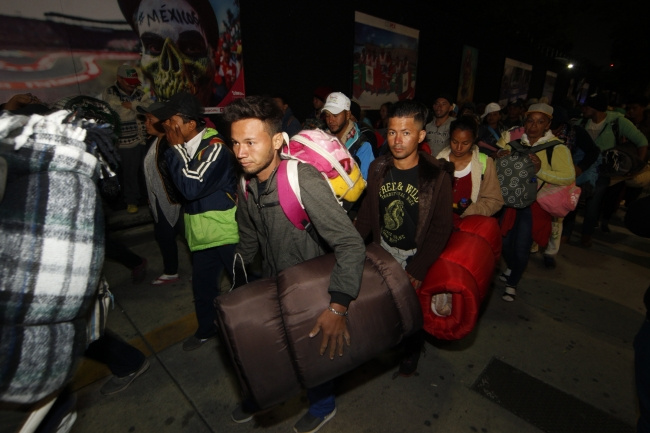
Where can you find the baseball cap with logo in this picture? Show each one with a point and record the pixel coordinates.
(337, 102)
(129, 74)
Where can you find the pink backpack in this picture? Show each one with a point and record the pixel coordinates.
(330, 157)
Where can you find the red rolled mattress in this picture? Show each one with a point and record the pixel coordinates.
(465, 269)
(266, 324)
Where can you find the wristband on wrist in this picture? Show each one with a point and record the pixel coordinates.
(338, 313)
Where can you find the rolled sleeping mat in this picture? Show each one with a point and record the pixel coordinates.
(280, 356)
(250, 320)
(485, 227)
(464, 269)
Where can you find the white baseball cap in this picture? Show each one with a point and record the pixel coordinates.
(337, 102)
(491, 108)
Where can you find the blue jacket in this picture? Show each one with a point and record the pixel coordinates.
(209, 184)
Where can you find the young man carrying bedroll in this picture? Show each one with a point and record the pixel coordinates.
(203, 170)
(408, 209)
(256, 132)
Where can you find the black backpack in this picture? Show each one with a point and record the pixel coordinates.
(622, 159)
(516, 174)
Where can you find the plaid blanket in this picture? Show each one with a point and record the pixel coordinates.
(51, 253)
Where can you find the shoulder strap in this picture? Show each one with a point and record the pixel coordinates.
(494, 133)
(517, 146)
(546, 145)
(289, 194)
(549, 154)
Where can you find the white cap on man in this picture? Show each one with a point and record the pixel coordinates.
(337, 102)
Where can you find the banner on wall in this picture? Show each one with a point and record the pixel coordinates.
(74, 47)
(515, 81)
(385, 61)
(549, 86)
(467, 75)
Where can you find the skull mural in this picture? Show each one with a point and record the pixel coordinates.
(177, 50)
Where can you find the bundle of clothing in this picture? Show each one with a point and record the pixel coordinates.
(51, 248)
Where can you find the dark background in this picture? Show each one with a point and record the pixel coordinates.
(291, 47)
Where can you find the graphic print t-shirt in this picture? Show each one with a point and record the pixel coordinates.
(398, 207)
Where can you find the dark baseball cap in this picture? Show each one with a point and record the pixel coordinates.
(181, 103)
(597, 101)
(151, 108)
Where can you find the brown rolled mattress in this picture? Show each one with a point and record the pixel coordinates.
(266, 324)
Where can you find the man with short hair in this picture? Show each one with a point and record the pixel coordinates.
(290, 124)
(438, 129)
(339, 123)
(315, 120)
(125, 97)
(203, 169)
(255, 129)
(515, 113)
(407, 207)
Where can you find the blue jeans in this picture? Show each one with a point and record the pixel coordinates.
(642, 375)
(516, 245)
(321, 399)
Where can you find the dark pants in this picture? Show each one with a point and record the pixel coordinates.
(642, 375)
(116, 250)
(165, 235)
(131, 165)
(207, 266)
(612, 200)
(593, 205)
(120, 357)
(516, 245)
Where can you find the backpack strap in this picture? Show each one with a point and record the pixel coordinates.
(289, 194)
(494, 133)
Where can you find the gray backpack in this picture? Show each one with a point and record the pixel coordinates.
(516, 174)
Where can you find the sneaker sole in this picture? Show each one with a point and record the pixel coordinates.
(319, 426)
(242, 420)
(245, 420)
(159, 282)
(142, 369)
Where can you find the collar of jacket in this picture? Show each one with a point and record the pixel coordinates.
(429, 185)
